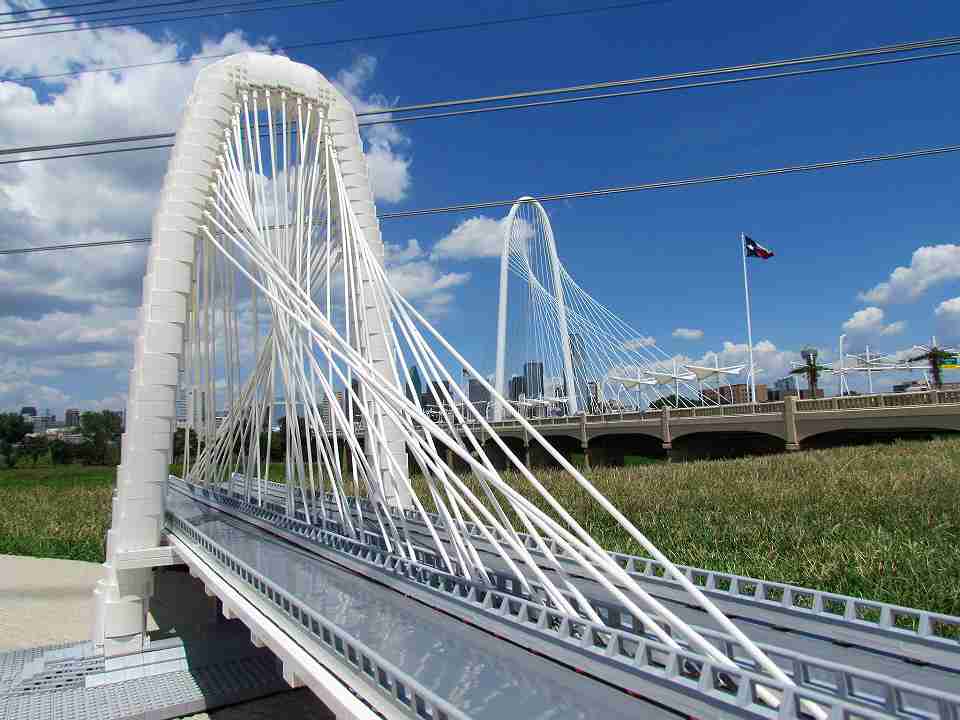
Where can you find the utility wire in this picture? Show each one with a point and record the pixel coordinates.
(358, 39)
(307, 3)
(948, 41)
(494, 108)
(658, 185)
(664, 184)
(74, 246)
(141, 7)
(146, 15)
(651, 91)
(58, 7)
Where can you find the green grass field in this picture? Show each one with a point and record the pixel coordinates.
(880, 521)
(59, 511)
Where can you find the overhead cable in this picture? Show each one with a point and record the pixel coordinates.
(519, 106)
(686, 182)
(57, 7)
(358, 39)
(137, 23)
(658, 185)
(142, 7)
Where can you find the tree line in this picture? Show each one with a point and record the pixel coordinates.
(100, 446)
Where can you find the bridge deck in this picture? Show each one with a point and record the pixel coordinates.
(896, 683)
(465, 666)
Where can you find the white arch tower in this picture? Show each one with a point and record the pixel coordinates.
(265, 288)
(223, 95)
(516, 241)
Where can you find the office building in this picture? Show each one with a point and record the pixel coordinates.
(517, 387)
(738, 394)
(72, 417)
(28, 411)
(476, 392)
(578, 361)
(533, 379)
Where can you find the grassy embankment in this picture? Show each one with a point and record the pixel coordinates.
(879, 521)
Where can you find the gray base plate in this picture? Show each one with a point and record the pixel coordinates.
(199, 666)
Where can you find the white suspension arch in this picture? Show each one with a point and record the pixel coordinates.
(509, 229)
(199, 163)
(235, 224)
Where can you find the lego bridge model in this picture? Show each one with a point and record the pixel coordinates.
(459, 590)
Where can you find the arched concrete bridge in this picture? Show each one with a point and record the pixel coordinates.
(701, 431)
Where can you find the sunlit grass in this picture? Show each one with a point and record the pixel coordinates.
(880, 522)
(58, 511)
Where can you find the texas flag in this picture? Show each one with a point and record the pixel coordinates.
(755, 249)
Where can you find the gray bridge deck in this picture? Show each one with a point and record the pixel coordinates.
(876, 671)
(464, 666)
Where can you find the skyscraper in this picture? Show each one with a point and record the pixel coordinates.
(476, 392)
(578, 359)
(533, 378)
(518, 387)
(72, 417)
(415, 381)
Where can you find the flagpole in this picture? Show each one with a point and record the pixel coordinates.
(746, 295)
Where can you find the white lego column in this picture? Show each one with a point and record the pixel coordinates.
(122, 596)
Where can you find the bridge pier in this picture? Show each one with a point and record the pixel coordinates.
(666, 437)
(790, 423)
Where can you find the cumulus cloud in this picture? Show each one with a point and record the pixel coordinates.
(772, 362)
(640, 342)
(930, 265)
(419, 278)
(70, 316)
(388, 159)
(947, 316)
(476, 237)
(870, 322)
(683, 333)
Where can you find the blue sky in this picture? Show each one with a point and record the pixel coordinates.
(662, 259)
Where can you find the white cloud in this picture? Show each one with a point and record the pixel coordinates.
(68, 318)
(948, 319)
(476, 237)
(640, 342)
(687, 334)
(929, 266)
(419, 279)
(772, 362)
(387, 162)
(894, 328)
(870, 321)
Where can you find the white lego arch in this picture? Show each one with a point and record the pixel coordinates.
(158, 351)
(230, 220)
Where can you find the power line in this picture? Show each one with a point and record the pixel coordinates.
(22, 21)
(651, 91)
(358, 39)
(74, 246)
(948, 41)
(58, 7)
(494, 108)
(665, 184)
(658, 185)
(305, 3)
(145, 13)
(112, 151)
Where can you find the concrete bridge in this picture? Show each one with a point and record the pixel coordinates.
(689, 433)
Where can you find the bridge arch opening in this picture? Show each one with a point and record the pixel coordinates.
(721, 445)
(625, 449)
(853, 438)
